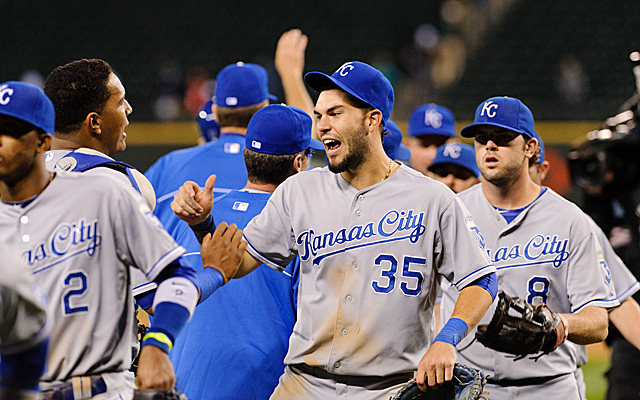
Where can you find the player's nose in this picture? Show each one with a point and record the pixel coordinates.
(128, 108)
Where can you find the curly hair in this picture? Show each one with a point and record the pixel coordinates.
(77, 89)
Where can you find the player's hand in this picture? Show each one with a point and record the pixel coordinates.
(289, 58)
(436, 365)
(155, 370)
(224, 250)
(192, 204)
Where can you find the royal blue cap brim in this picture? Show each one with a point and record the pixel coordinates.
(316, 145)
(319, 81)
(272, 97)
(469, 130)
(404, 154)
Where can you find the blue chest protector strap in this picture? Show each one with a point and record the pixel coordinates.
(85, 162)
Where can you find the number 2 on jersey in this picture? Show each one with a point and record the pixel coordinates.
(414, 277)
(76, 283)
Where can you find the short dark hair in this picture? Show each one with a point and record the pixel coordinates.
(237, 116)
(269, 168)
(77, 89)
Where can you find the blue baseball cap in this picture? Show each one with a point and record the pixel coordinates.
(432, 119)
(280, 129)
(541, 145)
(361, 81)
(504, 112)
(242, 84)
(28, 103)
(207, 122)
(392, 143)
(456, 153)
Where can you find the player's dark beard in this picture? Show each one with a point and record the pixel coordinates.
(358, 150)
(509, 173)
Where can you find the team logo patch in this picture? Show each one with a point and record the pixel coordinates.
(472, 226)
(232, 148)
(240, 206)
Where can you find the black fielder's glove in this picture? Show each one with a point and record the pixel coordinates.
(467, 384)
(154, 394)
(522, 329)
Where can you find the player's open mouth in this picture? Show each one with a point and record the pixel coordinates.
(331, 145)
(490, 160)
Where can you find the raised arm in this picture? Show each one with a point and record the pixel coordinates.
(289, 62)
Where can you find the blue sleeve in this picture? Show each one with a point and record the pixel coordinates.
(179, 268)
(488, 283)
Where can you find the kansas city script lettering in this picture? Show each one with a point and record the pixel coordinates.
(67, 238)
(392, 222)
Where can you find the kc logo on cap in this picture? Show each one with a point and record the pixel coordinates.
(361, 81)
(503, 112)
(5, 94)
(489, 109)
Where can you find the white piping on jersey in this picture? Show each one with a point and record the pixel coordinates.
(164, 261)
(634, 288)
(464, 281)
(197, 253)
(598, 303)
(146, 287)
(171, 194)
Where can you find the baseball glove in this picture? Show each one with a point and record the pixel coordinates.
(520, 328)
(467, 384)
(153, 394)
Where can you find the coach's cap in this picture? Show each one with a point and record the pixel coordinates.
(280, 129)
(432, 119)
(392, 143)
(360, 80)
(456, 153)
(242, 84)
(28, 103)
(504, 112)
(207, 122)
(541, 146)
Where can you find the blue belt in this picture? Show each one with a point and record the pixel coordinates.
(66, 392)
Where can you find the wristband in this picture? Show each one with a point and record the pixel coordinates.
(204, 226)
(453, 332)
(159, 340)
(210, 280)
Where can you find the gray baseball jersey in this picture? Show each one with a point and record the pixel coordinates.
(79, 238)
(548, 254)
(371, 265)
(23, 318)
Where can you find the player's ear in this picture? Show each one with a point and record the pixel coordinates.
(373, 119)
(93, 121)
(297, 163)
(531, 147)
(214, 110)
(44, 142)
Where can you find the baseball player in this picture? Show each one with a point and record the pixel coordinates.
(374, 239)
(208, 123)
(24, 336)
(241, 90)
(455, 166)
(544, 249)
(79, 234)
(257, 327)
(392, 143)
(430, 126)
(625, 317)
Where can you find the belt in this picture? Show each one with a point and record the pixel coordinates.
(525, 381)
(370, 382)
(80, 387)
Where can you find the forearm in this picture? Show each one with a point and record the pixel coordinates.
(587, 326)
(626, 318)
(248, 264)
(473, 302)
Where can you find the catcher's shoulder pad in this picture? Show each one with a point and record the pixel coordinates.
(154, 394)
(467, 384)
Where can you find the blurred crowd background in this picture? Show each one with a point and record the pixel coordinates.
(566, 60)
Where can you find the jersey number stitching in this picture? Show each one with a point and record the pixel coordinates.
(416, 277)
(72, 290)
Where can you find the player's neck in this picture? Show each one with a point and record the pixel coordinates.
(29, 186)
(263, 187)
(233, 129)
(516, 194)
(372, 171)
